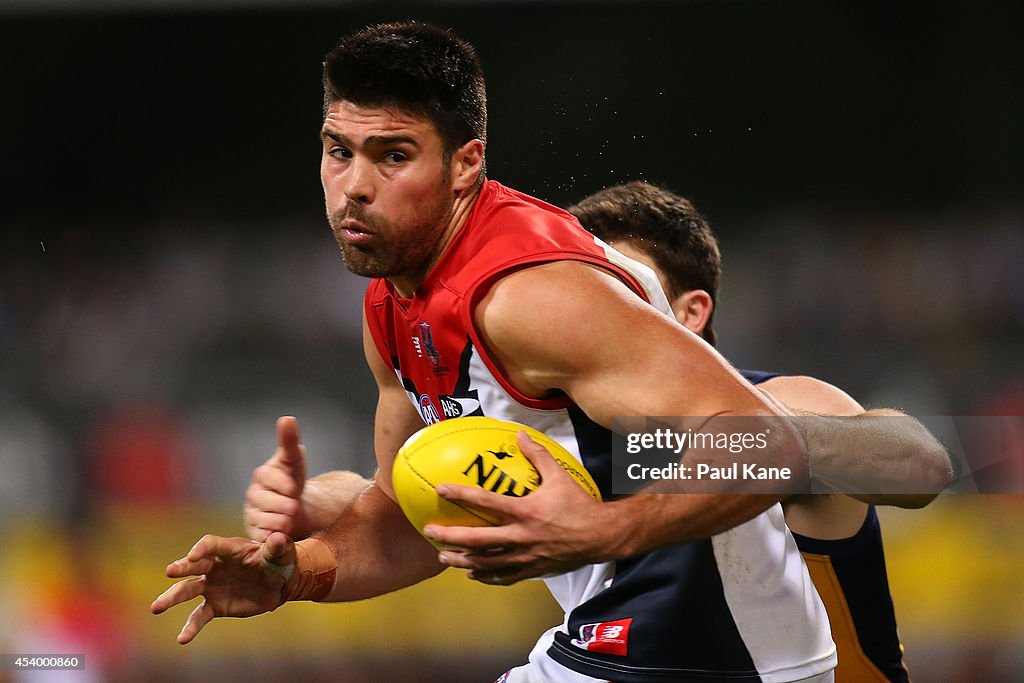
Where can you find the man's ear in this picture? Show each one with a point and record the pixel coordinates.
(692, 309)
(467, 162)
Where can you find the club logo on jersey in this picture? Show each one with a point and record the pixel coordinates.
(428, 344)
(609, 637)
(454, 406)
(427, 410)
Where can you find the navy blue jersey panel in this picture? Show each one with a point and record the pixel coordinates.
(859, 564)
(681, 620)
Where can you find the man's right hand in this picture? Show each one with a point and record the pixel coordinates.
(273, 501)
(235, 577)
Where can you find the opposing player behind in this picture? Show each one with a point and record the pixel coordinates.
(838, 535)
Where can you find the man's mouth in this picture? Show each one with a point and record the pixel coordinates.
(354, 232)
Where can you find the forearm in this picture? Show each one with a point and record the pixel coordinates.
(377, 550)
(325, 498)
(881, 456)
(721, 487)
(638, 524)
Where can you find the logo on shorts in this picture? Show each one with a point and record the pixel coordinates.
(609, 637)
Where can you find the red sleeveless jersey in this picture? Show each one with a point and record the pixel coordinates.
(425, 337)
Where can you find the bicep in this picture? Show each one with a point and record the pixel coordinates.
(396, 418)
(575, 328)
(807, 394)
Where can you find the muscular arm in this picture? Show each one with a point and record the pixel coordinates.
(377, 549)
(881, 456)
(326, 496)
(576, 329)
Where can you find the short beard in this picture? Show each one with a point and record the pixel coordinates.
(394, 254)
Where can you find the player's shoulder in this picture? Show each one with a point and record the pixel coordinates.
(544, 293)
(506, 231)
(810, 394)
(517, 219)
(564, 317)
(501, 197)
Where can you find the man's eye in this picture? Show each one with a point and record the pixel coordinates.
(394, 157)
(340, 153)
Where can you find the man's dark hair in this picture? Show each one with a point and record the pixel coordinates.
(416, 68)
(664, 226)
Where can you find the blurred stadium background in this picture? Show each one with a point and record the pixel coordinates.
(168, 287)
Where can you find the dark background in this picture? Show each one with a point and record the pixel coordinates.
(747, 106)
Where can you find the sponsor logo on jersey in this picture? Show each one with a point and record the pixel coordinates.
(487, 472)
(454, 406)
(427, 410)
(609, 637)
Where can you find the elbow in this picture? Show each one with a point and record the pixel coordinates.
(795, 456)
(913, 501)
(934, 472)
(938, 470)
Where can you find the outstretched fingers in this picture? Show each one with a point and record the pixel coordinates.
(200, 617)
(209, 547)
(183, 591)
(186, 567)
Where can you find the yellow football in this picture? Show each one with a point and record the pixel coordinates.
(473, 451)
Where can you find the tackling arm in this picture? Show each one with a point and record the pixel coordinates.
(880, 456)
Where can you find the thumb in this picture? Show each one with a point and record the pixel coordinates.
(289, 441)
(538, 455)
(279, 550)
